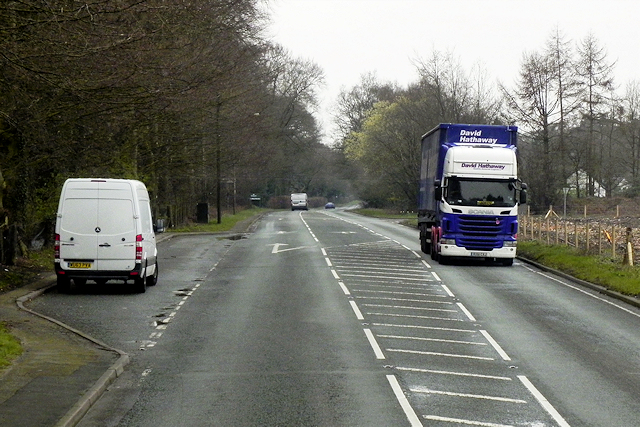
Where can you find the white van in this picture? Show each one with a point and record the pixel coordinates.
(104, 231)
(299, 201)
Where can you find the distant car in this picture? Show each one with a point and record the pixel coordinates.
(329, 206)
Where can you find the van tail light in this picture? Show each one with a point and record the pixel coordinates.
(56, 247)
(139, 247)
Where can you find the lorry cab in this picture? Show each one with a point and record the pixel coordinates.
(469, 192)
(104, 231)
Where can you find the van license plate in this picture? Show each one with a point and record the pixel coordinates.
(79, 265)
(479, 254)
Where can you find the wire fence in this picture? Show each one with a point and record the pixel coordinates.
(614, 237)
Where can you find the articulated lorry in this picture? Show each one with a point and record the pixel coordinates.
(470, 192)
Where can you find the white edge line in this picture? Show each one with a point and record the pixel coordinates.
(344, 288)
(466, 312)
(448, 291)
(374, 344)
(335, 274)
(576, 288)
(408, 410)
(495, 345)
(356, 310)
(324, 253)
(544, 402)
(435, 275)
(426, 264)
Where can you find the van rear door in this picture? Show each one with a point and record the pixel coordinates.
(116, 227)
(78, 244)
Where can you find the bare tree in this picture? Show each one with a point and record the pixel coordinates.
(595, 76)
(535, 107)
(354, 105)
(630, 133)
(567, 89)
(454, 94)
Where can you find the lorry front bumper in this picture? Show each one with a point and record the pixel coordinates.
(459, 251)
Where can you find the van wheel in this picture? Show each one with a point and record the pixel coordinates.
(64, 284)
(152, 280)
(140, 285)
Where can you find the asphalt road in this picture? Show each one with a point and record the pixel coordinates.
(325, 318)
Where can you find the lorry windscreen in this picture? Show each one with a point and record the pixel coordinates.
(475, 192)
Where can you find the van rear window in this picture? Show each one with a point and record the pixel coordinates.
(115, 216)
(80, 216)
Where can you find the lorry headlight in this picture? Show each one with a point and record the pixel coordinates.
(510, 243)
(448, 241)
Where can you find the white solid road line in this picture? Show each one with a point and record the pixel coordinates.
(404, 403)
(544, 402)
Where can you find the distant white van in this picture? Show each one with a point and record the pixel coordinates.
(299, 201)
(104, 231)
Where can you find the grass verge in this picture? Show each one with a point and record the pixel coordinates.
(600, 270)
(10, 347)
(26, 269)
(227, 224)
(407, 218)
(384, 213)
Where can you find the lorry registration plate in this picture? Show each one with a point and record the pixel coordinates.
(79, 265)
(479, 254)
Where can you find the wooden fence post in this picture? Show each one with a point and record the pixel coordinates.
(587, 235)
(548, 233)
(540, 230)
(613, 242)
(599, 239)
(533, 235)
(628, 256)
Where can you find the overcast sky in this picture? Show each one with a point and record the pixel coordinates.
(349, 38)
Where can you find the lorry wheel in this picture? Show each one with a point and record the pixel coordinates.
(434, 250)
(425, 245)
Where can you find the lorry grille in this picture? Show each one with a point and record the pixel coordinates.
(479, 233)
